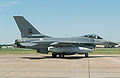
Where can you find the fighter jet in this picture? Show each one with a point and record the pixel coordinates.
(33, 39)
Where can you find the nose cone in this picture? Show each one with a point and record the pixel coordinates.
(111, 43)
(104, 42)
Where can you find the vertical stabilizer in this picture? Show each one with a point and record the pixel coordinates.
(25, 27)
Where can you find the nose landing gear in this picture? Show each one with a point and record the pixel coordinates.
(86, 54)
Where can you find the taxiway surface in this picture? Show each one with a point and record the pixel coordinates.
(44, 66)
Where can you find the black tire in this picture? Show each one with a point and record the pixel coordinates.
(86, 54)
(54, 55)
(61, 55)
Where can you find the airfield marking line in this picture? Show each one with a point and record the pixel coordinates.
(66, 71)
(11, 70)
(39, 67)
(31, 77)
(8, 72)
(52, 67)
(89, 68)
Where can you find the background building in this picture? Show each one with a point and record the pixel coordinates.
(109, 46)
(7, 46)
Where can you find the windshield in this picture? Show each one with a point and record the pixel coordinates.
(93, 36)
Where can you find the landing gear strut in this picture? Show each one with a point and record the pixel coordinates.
(86, 54)
(54, 55)
(61, 55)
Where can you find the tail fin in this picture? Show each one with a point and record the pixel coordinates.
(25, 27)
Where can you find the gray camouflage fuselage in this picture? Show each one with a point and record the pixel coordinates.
(44, 43)
(33, 39)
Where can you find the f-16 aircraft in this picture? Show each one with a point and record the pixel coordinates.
(33, 39)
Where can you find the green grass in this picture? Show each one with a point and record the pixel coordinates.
(18, 51)
(104, 52)
(33, 52)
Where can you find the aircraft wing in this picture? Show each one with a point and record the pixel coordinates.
(61, 44)
(67, 44)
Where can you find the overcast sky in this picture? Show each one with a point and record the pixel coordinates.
(62, 18)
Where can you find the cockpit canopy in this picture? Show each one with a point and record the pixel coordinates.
(93, 36)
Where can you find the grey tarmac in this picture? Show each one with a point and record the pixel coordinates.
(44, 66)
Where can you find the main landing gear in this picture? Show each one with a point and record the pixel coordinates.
(55, 55)
(86, 54)
(61, 55)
